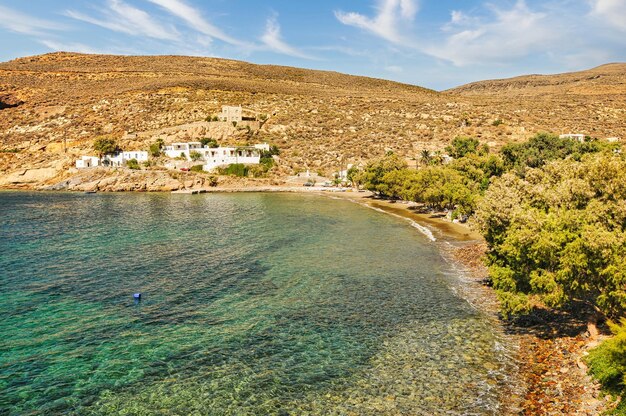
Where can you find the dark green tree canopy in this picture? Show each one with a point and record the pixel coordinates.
(463, 146)
(105, 146)
(559, 234)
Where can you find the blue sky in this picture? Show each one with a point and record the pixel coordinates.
(434, 43)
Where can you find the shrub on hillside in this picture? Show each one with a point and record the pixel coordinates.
(155, 148)
(236, 169)
(195, 156)
(133, 164)
(607, 363)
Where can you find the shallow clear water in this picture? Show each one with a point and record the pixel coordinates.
(252, 304)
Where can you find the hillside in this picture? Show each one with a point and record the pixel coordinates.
(609, 79)
(320, 120)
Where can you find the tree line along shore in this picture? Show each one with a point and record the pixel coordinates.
(553, 214)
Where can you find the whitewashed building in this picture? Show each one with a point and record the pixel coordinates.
(578, 137)
(214, 157)
(120, 159)
(86, 162)
(224, 156)
(231, 113)
(175, 150)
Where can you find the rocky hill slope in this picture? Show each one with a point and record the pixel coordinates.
(605, 80)
(53, 106)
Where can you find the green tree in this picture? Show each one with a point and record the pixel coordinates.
(155, 148)
(353, 176)
(463, 146)
(211, 143)
(105, 146)
(545, 147)
(372, 175)
(558, 235)
(195, 156)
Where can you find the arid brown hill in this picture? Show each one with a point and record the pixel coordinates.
(609, 79)
(56, 104)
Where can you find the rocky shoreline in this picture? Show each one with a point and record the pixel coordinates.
(551, 350)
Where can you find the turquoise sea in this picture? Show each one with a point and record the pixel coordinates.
(252, 304)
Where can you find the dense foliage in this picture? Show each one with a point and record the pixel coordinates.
(544, 147)
(155, 148)
(463, 146)
(558, 234)
(267, 157)
(133, 164)
(105, 146)
(607, 363)
(209, 142)
(235, 169)
(454, 187)
(552, 210)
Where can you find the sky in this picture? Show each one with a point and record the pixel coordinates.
(437, 44)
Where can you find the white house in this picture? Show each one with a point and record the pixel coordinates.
(579, 137)
(263, 146)
(182, 149)
(217, 156)
(120, 159)
(446, 159)
(140, 156)
(612, 139)
(231, 113)
(87, 162)
(224, 156)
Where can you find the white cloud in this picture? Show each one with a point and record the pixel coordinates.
(22, 23)
(611, 11)
(513, 33)
(194, 19)
(394, 69)
(81, 48)
(391, 16)
(273, 40)
(121, 17)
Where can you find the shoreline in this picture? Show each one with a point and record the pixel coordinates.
(551, 370)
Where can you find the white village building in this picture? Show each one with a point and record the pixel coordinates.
(217, 156)
(224, 156)
(579, 137)
(116, 160)
(86, 162)
(231, 113)
(120, 159)
(184, 150)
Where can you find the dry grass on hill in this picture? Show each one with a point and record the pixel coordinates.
(321, 120)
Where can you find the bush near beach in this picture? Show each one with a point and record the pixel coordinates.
(553, 213)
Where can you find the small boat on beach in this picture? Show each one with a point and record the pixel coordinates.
(91, 192)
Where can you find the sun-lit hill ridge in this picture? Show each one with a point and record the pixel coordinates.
(320, 120)
(164, 71)
(605, 79)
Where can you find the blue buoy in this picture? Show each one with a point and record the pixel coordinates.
(137, 296)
